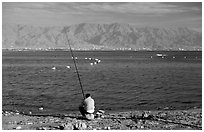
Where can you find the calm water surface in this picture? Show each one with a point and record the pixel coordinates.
(123, 80)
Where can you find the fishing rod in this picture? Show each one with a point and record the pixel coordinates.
(75, 65)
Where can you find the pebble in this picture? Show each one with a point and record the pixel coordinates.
(21, 123)
(57, 120)
(163, 114)
(139, 115)
(68, 126)
(80, 126)
(83, 125)
(98, 113)
(90, 127)
(29, 123)
(61, 127)
(101, 111)
(40, 128)
(18, 127)
(44, 128)
(138, 125)
(146, 114)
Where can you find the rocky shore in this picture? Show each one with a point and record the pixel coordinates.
(132, 120)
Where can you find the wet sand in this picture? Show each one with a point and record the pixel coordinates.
(133, 120)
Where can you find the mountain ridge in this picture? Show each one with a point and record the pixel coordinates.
(113, 36)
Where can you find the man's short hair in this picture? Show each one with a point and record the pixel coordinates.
(88, 95)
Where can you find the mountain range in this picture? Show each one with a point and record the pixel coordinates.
(113, 36)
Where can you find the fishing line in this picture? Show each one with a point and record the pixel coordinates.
(73, 58)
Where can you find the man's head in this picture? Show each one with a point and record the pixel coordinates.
(88, 95)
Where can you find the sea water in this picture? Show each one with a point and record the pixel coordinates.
(120, 81)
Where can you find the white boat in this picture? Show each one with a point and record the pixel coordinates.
(161, 55)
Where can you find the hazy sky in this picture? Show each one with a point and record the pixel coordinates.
(135, 13)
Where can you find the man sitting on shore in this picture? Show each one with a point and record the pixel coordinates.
(87, 107)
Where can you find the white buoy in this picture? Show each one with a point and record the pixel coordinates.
(30, 112)
(95, 63)
(86, 58)
(76, 58)
(174, 57)
(54, 68)
(41, 108)
(91, 64)
(68, 67)
(96, 59)
(99, 60)
(184, 56)
(89, 58)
